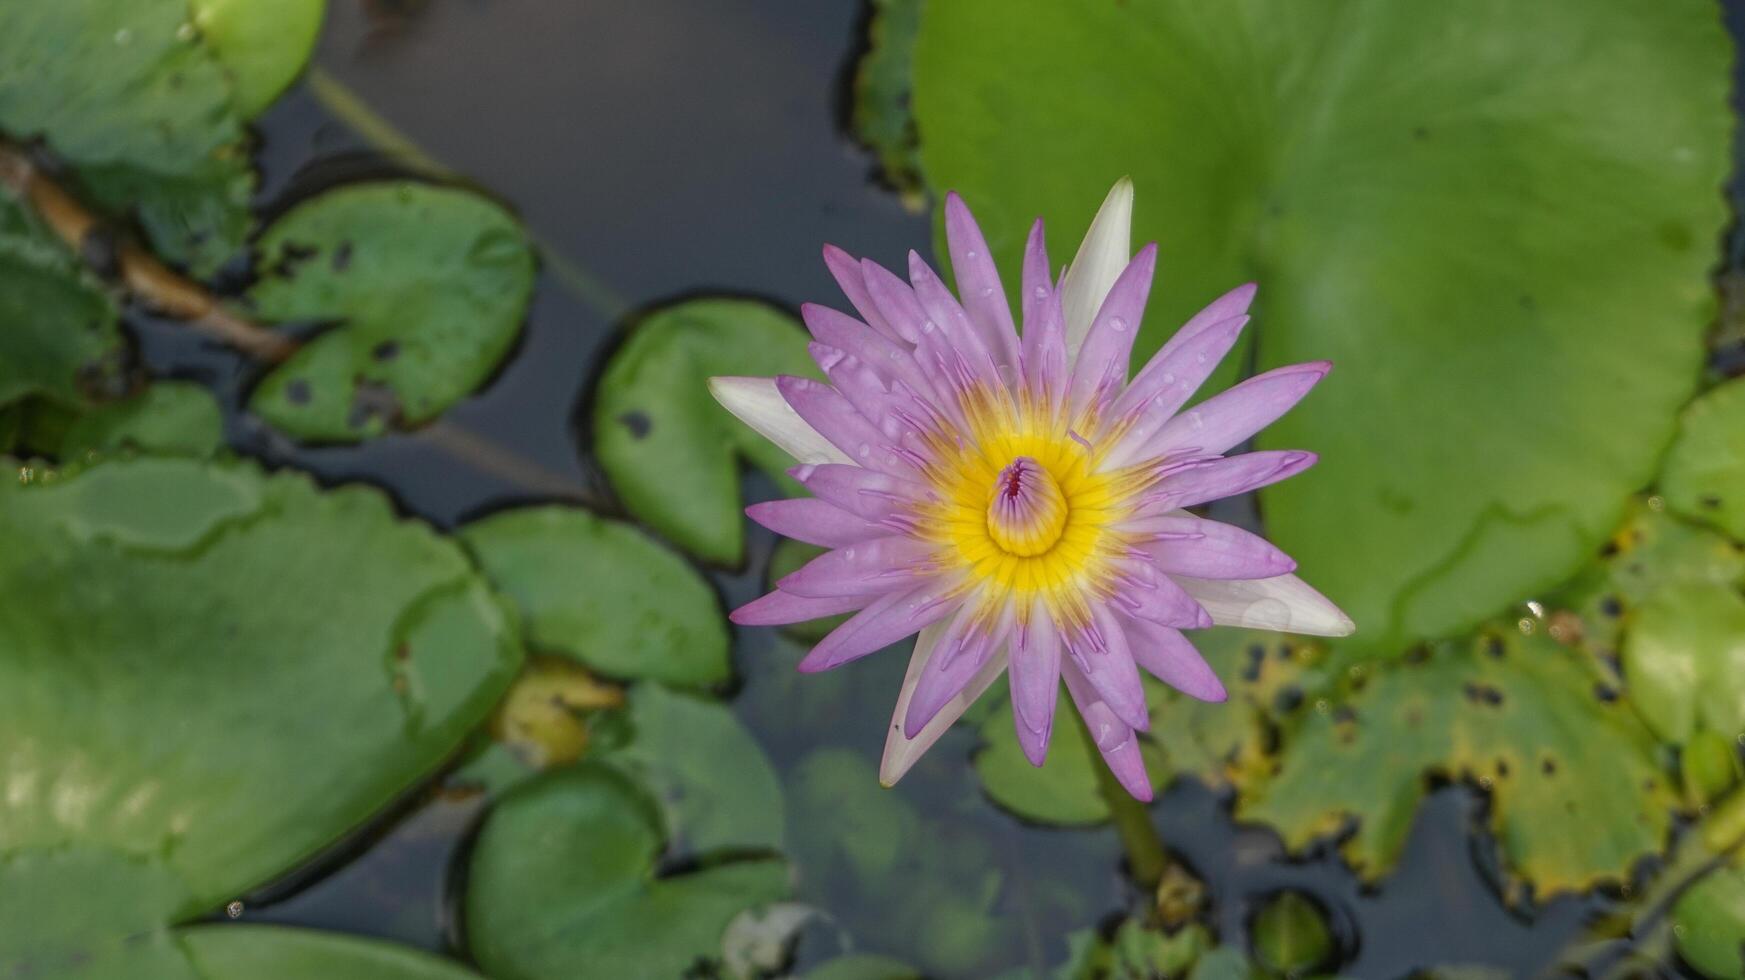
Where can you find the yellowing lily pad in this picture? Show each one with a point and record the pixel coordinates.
(669, 449)
(254, 667)
(1577, 794)
(563, 884)
(1420, 204)
(426, 287)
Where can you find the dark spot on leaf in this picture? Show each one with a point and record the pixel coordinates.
(1502, 768)
(1418, 654)
(1483, 694)
(1605, 692)
(1345, 715)
(292, 255)
(373, 401)
(403, 652)
(1493, 645)
(1528, 303)
(1610, 606)
(1710, 501)
(1288, 699)
(1256, 655)
(387, 350)
(297, 392)
(1420, 132)
(1609, 549)
(342, 256)
(638, 424)
(1548, 766)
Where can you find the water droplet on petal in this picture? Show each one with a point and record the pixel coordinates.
(1041, 292)
(1168, 378)
(865, 450)
(987, 290)
(1196, 421)
(848, 553)
(929, 327)
(1117, 323)
(971, 255)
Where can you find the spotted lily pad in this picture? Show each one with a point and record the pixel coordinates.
(426, 287)
(256, 667)
(670, 450)
(1704, 478)
(263, 44)
(58, 332)
(1577, 792)
(126, 92)
(605, 594)
(712, 779)
(1409, 186)
(563, 884)
(168, 418)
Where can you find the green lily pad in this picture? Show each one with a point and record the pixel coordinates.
(711, 777)
(882, 81)
(1709, 923)
(1704, 478)
(604, 594)
(175, 418)
(264, 44)
(1420, 205)
(428, 286)
(563, 884)
(215, 630)
(667, 446)
(1577, 792)
(59, 337)
(1290, 934)
(237, 952)
(1684, 657)
(125, 91)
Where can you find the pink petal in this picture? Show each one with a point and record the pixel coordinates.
(1113, 737)
(1168, 656)
(884, 622)
(1109, 667)
(814, 522)
(901, 751)
(848, 275)
(780, 608)
(1044, 346)
(1165, 384)
(1157, 598)
(947, 329)
(1232, 304)
(1102, 361)
(1209, 549)
(962, 651)
(1229, 417)
(864, 568)
(890, 359)
(1225, 477)
(833, 417)
(978, 282)
(1035, 682)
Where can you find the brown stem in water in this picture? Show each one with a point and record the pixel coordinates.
(142, 275)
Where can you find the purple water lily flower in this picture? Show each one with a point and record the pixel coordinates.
(1014, 499)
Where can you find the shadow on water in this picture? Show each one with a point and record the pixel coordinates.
(671, 146)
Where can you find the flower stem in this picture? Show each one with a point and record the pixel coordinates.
(1147, 858)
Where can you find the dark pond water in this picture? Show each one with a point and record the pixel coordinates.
(668, 147)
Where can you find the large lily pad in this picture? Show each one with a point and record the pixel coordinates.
(563, 884)
(264, 44)
(711, 777)
(1577, 792)
(605, 594)
(1515, 292)
(59, 337)
(125, 91)
(235, 952)
(427, 286)
(668, 447)
(254, 666)
(1705, 471)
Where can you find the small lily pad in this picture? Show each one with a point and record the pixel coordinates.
(563, 884)
(711, 777)
(882, 83)
(668, 447)
(1577, 791)
(215, 629)
(426, 287)
(1684, 658)
(605, 594)
(263, 44)
(175, 418)
(1709, 923)
(1704, 478)
(1290, 934)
